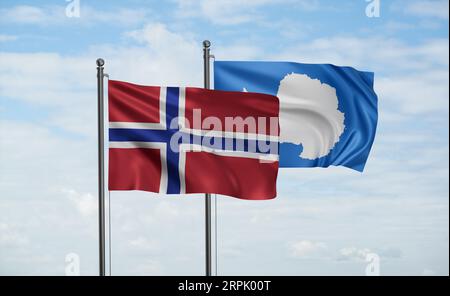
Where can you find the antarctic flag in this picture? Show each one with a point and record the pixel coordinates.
(328, 114)
(176, 140)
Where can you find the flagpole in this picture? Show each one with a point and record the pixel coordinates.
(206, 76)
(101, 167)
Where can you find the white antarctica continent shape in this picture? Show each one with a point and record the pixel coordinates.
(309, 115)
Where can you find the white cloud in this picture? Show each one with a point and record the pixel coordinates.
(166, 58)
(148, 267)
(307, 5)
(352, 253)
(389, 253)
(426, 8)
(6, 38)
(362, 53)
(56, 15)
(235, 12)
(240, 50)
(86, 203)
(416, 93)
(428, 272)
(165, 230)
(10, 237)
(306, 248)
(123, 16)
(52, 81)
(47, 78)
(395, 26)
(413, 79)
(142, 243)
(159, 38)
(224, 12)
(55, 161)
(63, 83)
(24, 14)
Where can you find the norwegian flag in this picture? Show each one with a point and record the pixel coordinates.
(175, 140)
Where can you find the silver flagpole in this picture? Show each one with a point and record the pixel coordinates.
(101, 168)
(206, 58)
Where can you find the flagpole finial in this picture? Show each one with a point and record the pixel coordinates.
(100, 62)
(206, 43)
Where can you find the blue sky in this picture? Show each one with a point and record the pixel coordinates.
(323, 222)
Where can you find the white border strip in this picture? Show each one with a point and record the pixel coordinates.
(181, 107)
(131, 145)
(137, 125)
(234, 135)
(162, 106)
(199, 148)
(182, 172)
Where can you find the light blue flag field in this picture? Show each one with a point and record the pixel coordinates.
(328, 114)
